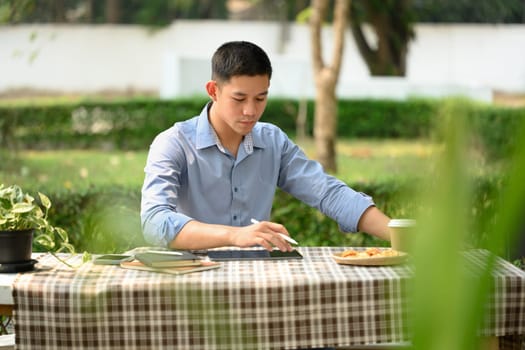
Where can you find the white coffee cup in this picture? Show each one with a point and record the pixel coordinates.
(402, 234)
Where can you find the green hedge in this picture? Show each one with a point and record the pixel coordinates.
(386, 119)
(99, 219)
(133, 124)
(123, 125)
(106, 220)
(495, 129)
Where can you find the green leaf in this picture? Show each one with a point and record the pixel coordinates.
(86, 257)
(69, 247)
(45, 241)
(62, 234)
(20, 208)
(45, 200)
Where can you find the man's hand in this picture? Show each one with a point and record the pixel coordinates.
(198, 235)
(265, 234)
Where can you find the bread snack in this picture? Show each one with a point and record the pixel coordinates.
(369, 253)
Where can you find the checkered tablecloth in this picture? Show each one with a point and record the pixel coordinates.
(243, 305)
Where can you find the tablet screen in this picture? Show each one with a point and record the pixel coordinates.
(259, 254)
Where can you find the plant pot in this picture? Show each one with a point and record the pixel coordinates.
(15, 246)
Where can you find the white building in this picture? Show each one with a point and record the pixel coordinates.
(472, 60)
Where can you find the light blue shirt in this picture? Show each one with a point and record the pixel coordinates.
(190, 176)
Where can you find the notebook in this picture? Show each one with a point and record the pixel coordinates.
(174, 270)
(248, 254)
(168, 258)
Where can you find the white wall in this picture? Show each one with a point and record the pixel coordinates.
(473, 60)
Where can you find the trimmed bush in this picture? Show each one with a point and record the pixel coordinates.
(106, 219)
(132, 124)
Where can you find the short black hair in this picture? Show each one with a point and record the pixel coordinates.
(239, 58)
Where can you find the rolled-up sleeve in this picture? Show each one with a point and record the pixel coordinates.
(306, 180)
(161, 221)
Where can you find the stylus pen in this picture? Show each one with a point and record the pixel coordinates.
(166, 252)
(285, 237)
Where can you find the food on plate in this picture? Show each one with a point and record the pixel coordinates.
(369, 253)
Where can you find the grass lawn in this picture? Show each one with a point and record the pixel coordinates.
(76, 168)
(358, 161)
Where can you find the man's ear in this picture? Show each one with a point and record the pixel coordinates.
(212, 89)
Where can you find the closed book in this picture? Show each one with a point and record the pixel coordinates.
(174, 270)
(168, 258)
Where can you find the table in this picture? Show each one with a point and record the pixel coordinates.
(288, 304)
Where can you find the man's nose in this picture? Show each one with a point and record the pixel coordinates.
(249, 109)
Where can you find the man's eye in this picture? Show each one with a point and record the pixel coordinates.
(238, 99)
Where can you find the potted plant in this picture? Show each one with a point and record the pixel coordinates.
(24, 223)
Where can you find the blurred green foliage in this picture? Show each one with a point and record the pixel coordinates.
(99, 219)
(106, 219)
(132, 124)
(449, 295)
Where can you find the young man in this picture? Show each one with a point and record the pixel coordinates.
(206, 178)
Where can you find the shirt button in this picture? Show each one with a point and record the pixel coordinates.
(235, 189)
(235, 217)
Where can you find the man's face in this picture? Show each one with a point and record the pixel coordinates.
(239, 103)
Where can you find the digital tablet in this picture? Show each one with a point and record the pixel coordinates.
(259, 254)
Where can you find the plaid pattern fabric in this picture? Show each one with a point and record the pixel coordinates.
(505, 309)
(512, 342)
(285, 304)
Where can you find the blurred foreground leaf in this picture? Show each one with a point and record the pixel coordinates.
(448, 299)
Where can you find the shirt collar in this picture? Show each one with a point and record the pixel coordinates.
(207, 137)
(205, 134)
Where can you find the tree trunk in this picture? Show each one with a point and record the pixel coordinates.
(325, 123)
(326, 76)
(113, 11)
(301, 121)
(392, 24)
(60, 11)
(89, 11)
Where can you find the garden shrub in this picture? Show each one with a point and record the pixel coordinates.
(495, 128)
(107, 219)
(132, 124)
(121, 125)
(385, 118)
(99, 219)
